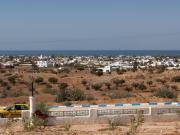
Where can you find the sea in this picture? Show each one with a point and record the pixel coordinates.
(92, 52)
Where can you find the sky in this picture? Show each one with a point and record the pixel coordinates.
(90, 25)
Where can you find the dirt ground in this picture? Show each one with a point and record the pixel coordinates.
(148, 128)
(74, 80)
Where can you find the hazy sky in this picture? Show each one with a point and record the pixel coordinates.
(89, 24)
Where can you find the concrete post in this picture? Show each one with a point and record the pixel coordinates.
(150, 110)
(32, 105)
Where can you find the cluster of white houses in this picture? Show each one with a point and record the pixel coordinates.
(105, 63)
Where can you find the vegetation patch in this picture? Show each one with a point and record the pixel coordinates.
(165, 93)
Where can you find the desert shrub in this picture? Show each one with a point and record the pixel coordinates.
(149, 82)
(115, 122)
(77, 95)
(53, 80)
(136, 122)
(67, 126)
(8, 87)
(69, 95)
(120, 94)
(42, 107)
(67, 103)
(12, 79)
(127, 88)
(140, 86)
(96, 86)
(176, 79)
(40, 116)
(84, 82)
(62, 95)
(161, 69)
(120, 71)
(108, 85)
(39, 80)
(161, 81)
(39, 119)
(63, 85)
(118, 82)
(175, 87)
(165, 93)
(87, 88)
(4, 84)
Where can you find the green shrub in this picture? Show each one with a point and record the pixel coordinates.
(139, 86)
(12, 79)
(53, 80)
(63, 85)
(42, 107)
(70, 95)
(96, 86)
(176, 79)
(118, 82)
(165, 93)
(77, 95)
(67, 103)
(39, 80)
(62, 95)
(127, 88)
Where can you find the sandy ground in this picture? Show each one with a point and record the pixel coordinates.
(74, 79)
(148, 128)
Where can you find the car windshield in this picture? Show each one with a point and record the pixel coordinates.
(9, 108)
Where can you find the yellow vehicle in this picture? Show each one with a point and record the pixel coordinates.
(13, 111)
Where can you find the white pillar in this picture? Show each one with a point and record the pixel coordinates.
(150, 110)
(32, 105)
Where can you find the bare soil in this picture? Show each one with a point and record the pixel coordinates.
(149, 128)
(74, 80)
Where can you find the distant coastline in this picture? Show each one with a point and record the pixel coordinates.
(92, 52)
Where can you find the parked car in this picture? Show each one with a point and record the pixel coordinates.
(13, 111)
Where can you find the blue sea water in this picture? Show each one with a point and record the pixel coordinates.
(94, 52)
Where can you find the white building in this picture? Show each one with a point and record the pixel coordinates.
(42, 64)
(106, 69)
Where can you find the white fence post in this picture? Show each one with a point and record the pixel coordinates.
(32, 105)
(150, 110)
